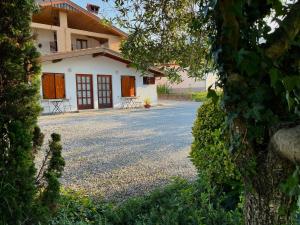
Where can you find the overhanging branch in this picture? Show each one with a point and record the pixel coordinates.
(288, 30)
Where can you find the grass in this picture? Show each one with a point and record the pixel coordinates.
(202, 96)
(199, 96)
(181, 202)
(163, 89)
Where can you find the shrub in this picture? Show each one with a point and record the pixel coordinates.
(178, 203)
(50, 194)
(163, 89)
(76, 208)
(20, 138)
(211, 157)
(19, 108)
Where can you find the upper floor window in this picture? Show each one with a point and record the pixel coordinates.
(53, 44)
(81, 44)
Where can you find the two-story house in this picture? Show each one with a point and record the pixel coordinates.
(81, 60)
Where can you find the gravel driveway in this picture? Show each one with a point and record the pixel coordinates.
(119, 154)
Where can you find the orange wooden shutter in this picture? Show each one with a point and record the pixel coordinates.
(60, 85)
(48, 86)
(128, 86)
(131, 86)
(125, 89)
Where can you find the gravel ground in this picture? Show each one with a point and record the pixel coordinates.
(119, 154)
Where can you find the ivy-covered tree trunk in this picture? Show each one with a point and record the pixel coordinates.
(19, 108)
(265, 203)
(255, 102)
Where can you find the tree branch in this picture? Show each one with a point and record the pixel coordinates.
(289, 28)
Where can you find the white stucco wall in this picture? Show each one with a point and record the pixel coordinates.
(187, 84)
(211, 80)
(44, 37)
(97, 66)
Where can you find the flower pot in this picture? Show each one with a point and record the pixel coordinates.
(147, 106)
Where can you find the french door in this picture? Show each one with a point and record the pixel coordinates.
(104, 83)
(84, 84)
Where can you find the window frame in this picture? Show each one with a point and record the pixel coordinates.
(147, 80)
(81, 41)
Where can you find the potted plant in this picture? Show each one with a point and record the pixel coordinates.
(147, 103)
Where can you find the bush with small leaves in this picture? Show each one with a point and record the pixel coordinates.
(50, 195)
(211, 156)
(19, 109)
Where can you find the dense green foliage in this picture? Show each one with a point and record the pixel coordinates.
(211, 157)
(51, 192)
(20, 138)
(164, 40)
(209, 149)
(178, 203)
(19, 108)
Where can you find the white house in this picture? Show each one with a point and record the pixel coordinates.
(81, 60)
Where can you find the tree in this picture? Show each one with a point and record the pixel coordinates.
(20, 138)
(19, 108)
(254, 46)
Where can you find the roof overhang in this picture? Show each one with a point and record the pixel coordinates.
(72, 8)
(94, 52)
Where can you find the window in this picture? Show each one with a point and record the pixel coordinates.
(128, 86)
(148, 80)
(53, 85)
(81, 44)
(53, 44)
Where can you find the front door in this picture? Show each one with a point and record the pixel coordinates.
(104, 83)
(84, 83)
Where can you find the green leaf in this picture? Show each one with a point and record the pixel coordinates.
(248, 62)
(240, 55)
(274, 76)
(291, 82)
(277, 5)
(290, 100)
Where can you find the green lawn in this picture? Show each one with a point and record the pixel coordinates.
(202, 96)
